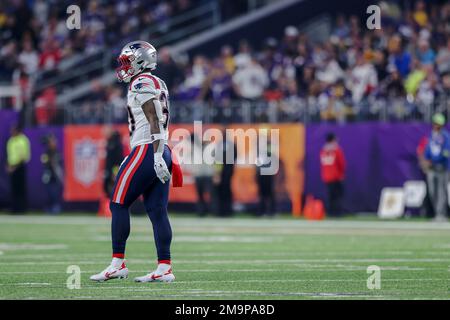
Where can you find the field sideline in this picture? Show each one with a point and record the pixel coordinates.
(229, 258)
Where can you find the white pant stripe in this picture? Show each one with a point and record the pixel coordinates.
(127, 173)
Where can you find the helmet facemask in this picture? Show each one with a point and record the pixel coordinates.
(136, 56)
(125, 71)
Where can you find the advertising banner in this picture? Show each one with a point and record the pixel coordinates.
(289, 180)
(84, 153)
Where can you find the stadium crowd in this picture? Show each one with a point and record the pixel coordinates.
(406, 61)
(34, 35)
(404, 66)
(35, 41)
(402, 69)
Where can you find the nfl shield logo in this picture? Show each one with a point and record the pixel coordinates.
(86, 161)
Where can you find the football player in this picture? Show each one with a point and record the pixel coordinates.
(148, 168)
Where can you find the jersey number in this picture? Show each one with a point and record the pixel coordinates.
(131, 121)
(165, 109)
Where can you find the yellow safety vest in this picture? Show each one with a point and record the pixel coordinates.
(18, 149)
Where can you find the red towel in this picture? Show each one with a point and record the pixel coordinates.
(177, 174)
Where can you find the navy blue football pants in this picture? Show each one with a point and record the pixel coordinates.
(137, 177)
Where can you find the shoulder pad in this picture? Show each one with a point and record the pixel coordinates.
(163, 85)
(144, 84)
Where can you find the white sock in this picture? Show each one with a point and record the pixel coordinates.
(163, 268)
(116, 262)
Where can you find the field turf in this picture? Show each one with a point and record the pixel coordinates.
(240, 258)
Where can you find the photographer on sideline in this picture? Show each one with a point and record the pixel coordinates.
(52, 176)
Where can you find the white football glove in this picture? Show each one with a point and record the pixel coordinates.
(162, 172)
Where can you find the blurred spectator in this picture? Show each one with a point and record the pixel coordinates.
(250, 80)
(333, 167)
(381, 65)
(428, 89)
(363, 79)
(437, 153)
(194, 80)
(415, 78)
(341, 29)
(393, 86)
(24, 82)
(8, 63)
(226, 55)
(425, 54)
(446, 86)
(203, 175)
(427, 207)
(18, 155)
(52, 176)
(41, 10)
(114, 157)
(223, 195)
(218, 85)
(443, 58)
(330, 72)
(420, 15)
(289, 44)
(243, 57)
(266, 184)
(117, 100)
(333, 103)
(50, 57)
(167, 69)
(45, 107)
(29, 58)
(399, 58)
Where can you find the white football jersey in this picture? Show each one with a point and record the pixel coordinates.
(141, 89)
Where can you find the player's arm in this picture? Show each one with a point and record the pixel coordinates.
(150, 112)
(153, 112)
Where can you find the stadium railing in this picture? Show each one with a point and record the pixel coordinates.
(11, 95)
(260, 111)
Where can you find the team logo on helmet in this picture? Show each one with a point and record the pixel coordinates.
(136, 46)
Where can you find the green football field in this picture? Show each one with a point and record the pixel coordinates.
(240, 258)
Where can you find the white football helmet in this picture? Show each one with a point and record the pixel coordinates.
(134, 58)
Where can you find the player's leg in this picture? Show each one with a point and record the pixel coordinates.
(131, 181)
(432, 188)
(441, 202)
(156, 199)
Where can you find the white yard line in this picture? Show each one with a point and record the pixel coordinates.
(299, 269)
(101, 286)
(300, 280)
(31, 246)
(232, 295)
(201, 239)
(146, 297)
(235, 261)
(21, 284)
(296, 254)
(235, 223)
